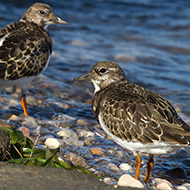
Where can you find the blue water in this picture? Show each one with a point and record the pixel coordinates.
(150, 40)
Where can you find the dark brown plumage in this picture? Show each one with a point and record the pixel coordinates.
(25, 48)
(134, 117)
(150, 116)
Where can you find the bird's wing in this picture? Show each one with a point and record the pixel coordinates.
(24, 50)
(134, 113)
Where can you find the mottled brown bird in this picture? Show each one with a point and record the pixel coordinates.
(25, 48)
(134, 117)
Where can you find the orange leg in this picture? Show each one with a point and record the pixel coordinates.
(138, 165)
(23, 102)
(150, 165)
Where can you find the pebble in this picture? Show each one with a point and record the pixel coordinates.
(10, 89)
(67, 133)
(98, 141)
(13, 118)
(70, 137)
(63, 117)
(84, 133)
(114, 167)
(25, 131)
(185, 186)
(13, 102)
(162, 184)
(73, 142)
(31, 100)
(125, 167)
(177, 173)
(119, 154)
(108, 181)
(82, 122)
(30, 121)
(52, 143)
(128, 181)
(37, 131)
(97, 151)
(76, 160)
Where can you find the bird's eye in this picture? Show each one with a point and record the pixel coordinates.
(102, 70)
(42, 12)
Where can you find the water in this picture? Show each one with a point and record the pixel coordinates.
(150, 40)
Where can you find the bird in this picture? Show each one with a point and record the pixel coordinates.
(134, 117)
(26, 47)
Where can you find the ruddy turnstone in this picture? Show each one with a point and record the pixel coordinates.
(25, 48)
(134, 117)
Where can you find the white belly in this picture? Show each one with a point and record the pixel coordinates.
(21, 83)
(136, 146)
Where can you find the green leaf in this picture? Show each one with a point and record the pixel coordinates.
(85, 170)
(48, 162)
(47, 158)
(48, 153)
(17, 137)
(7, 130)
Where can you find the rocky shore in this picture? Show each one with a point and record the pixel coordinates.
(63, 118)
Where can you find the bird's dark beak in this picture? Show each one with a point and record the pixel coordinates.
(61, 21)
(85, 77)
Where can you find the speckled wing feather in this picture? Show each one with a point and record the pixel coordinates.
(24, 50)
(133, 113)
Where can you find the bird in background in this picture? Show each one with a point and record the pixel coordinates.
(135, 118)
(25, 48)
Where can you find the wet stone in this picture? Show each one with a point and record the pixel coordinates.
(63, 117)
(181, 153)
(82, 122)
(13, 102)
(73, 142)
(32, 101)
(119, 154)
(70, 137)
(125, 167)
(186, 162)
(67, 133)
(128, 181)
(16, 96)
(76, 160)
(162, 184)
(97, 141)
(52, 143)
(185, 186)
(84, 152)
(30, 121)
(84, 133)
(25, 131)
(46, 111)
(57, 105)
(37, 131)
(97, 151)
(109, 181)
(10, 90)
(114, 168)
(63, 124)
(13, 118)
(177, 173)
